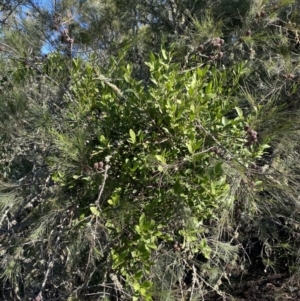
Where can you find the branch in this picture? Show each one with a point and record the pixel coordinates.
(101, 187)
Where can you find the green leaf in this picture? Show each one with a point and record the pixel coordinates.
(152, 246)
(152, 57)
(143, 291)
(258, 183)
(129, 68)
(101, 138)
(142, 219)
(190, 147)
(95, 211)
(224, 121)
(239, 112)
(110, 202)
(137, 228)
(136, 286)
(132, 135)
(147, 284)
(191, 238)
(161, 158)
(218, 167)
(205, 249)
(138, 275)
(142, 249)
(164, 54)
(127, 78)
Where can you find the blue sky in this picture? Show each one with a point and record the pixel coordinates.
(48, 5)
(44, 3)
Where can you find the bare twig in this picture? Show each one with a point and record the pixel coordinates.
(101, 187)
(111, 85)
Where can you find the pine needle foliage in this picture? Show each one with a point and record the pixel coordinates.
(153, 154)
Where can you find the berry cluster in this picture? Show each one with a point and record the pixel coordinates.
(251, 136)
(60, 26)
(256, 167)
(98, 165)
(177, 247)
(215, 45)
(260, 15)
(218, 151)
(289, 76)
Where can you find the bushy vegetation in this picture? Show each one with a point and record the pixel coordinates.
(153, 158)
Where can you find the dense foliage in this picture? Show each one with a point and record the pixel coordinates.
(148, 150)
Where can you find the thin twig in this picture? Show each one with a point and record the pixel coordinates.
(50, 266)
(110, 84)
(101, 187)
